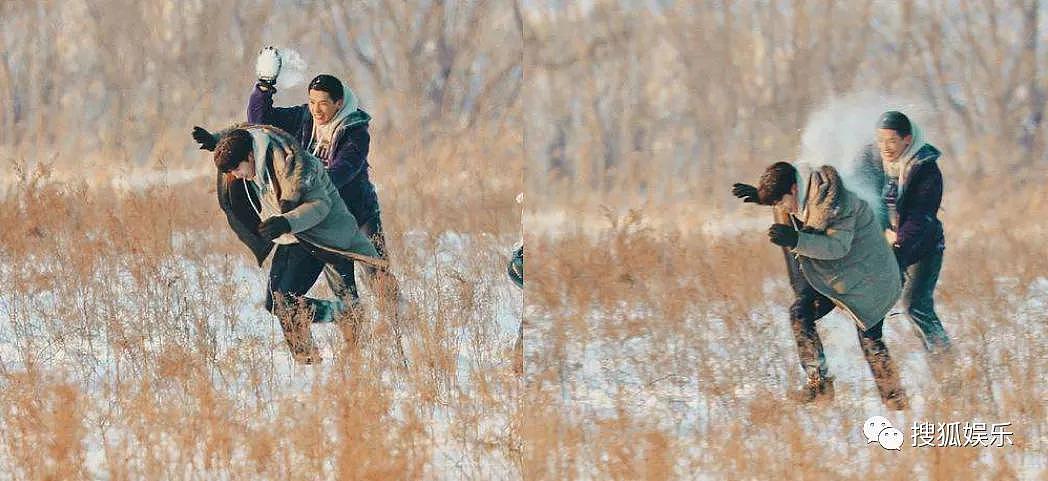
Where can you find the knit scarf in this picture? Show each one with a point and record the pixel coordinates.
(323, 135)
(898, 168)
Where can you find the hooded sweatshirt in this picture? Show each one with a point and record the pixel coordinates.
(895, 174)
(344, 141)
(911, 192)
(323, 135)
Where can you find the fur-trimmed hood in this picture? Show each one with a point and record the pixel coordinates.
(824, 198)
(281, 162)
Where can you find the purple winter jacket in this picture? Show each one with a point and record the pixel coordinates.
(920, 232)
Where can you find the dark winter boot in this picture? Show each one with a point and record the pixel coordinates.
(295, 321)
(884, 374)
(303, 348)
(945, 367)
(308, 355)
(351, 322)
(818, 388)
(896, 401)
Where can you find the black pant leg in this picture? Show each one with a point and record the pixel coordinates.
(808, 306)
(876, 352)
(292, 274)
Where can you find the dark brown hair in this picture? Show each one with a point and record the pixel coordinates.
(232, 150)
(776, 182)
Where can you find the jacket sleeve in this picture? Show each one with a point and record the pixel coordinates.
(232, 199)
(350, 158)
(260, 110)
(922, 203)
(312, 209)
(832, 244)
(303, 189)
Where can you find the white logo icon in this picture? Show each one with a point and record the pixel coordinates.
(878, 429)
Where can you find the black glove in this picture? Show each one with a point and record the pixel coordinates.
(274, 227)
(783, 235)
(266, 85)
(206, 140)
(746, 192)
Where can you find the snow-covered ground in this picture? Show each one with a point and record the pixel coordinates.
(652, 377)
(32, 331)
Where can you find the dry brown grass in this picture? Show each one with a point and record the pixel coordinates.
(135, 347)
(658, 342)
(664, 353)
(133, 344)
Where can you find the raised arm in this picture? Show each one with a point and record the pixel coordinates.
(260, 110)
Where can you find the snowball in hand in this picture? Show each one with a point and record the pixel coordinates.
(284, 66)
(292, 69)
(267, 66)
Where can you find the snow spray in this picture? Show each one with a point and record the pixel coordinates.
(292, 70)
(841, 127)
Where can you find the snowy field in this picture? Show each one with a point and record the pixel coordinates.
(157, 360)
(678, 378)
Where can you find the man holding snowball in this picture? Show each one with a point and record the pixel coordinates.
(332, 127)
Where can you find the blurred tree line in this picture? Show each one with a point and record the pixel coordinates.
(630, 96)
(123, 81)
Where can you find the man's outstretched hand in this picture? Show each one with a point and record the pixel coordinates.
(783, 235)
(746, 192)
(274, 227)
(204, 138)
